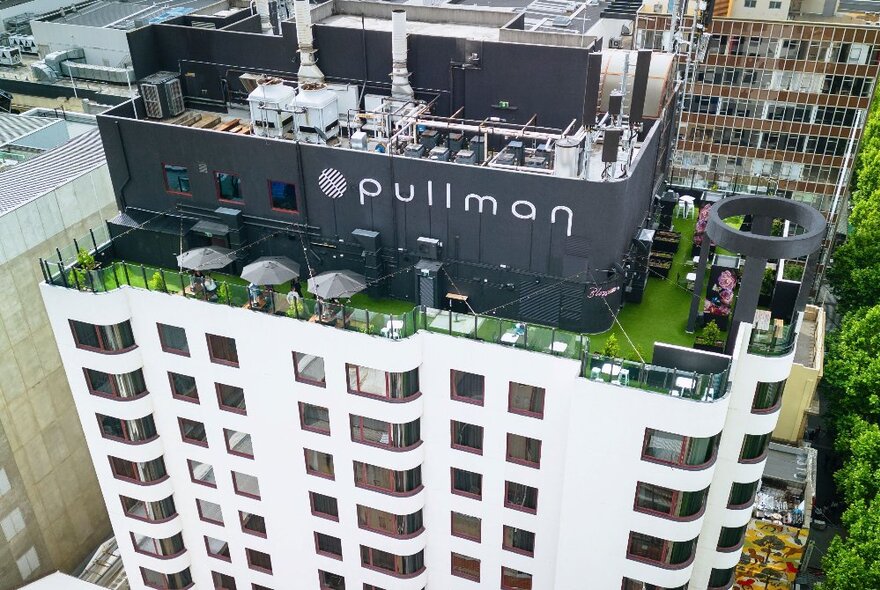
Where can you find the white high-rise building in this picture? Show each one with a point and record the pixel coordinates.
(244, 450)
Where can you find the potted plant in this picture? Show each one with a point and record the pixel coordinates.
(82, 274)
(710, 338)
(611, 348)
(767, 285)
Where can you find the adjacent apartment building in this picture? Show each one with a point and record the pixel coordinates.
(406, 445)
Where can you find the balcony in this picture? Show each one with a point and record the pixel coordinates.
(706, 387)
(779, 340)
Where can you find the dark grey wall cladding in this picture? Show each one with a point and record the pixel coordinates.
(699, 361)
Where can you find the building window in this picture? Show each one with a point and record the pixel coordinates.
(238, 443)
(246, 485)
(222, 350)
(217, 548)
(754, 447)
(5, 486)
(467, 387)
(518, 540)
(520, 497)
(193, 432)
(209, 511)
(114, 338)
(161, 548)
(383, 434)
(259, 587)
(767, 397)
(327, 545)
(630, 584)
(328, 581)
(314, 418)
(173, 339)
(230, 398)
(228, 187)
(400, 565)
(467, 483)
(466, 437)
(731, 539)
(382, 384)
(28, 563)
(176, 180)
(527, 400)
(177, 581)
(512, 579)
(320, 464)
(252, 524)
(465, 567)
(158, 511)
(202, 473)
(309, 368)
(223, 581)
(282, 196)
(257, 560)
(130, 431)
(12, 524)
(742, 494)
(466, 527)
(324, 506)
(775, 4)
(124, 386)
(146, 472)
(721, 578)
(393, 525)
(650, 549)
(658, 500)
(751, 3)
(523, 450)
(183, 387)
(387, 480)
(674, 449)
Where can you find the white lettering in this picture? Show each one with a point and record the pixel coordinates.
(532, 214)
(570, 216)
(407, 199)
(480, 199)
(597, 292)
(362, 189)
(430, 193)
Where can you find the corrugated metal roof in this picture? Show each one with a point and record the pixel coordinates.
(39, 175)
(14, 126)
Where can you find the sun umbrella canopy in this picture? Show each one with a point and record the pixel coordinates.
(207, 258)
(271, 270)
(337, 283)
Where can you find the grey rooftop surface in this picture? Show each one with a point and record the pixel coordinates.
(13, 127)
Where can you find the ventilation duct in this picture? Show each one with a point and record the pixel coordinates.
(263, 11)
(400, 87)
(309, 72)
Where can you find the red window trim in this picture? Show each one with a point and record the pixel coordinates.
(457, 492)
(513, 549)
(452, 532)
(398, 560)
(367, 527)
(300, 378)
(512, 410)
(239, 492)
(461, 574)
(664, 553)
(148, 585)
(458, 447)
(321, 579)
(302, 420)
(224, 407)
(463, 399)
(220, 361)
(257, 568)
(251, 531)
(165, 180)
(166, 348)
(295, 195)
(310, 471)
(517, 460)
(191, 441)
(389, 446)
(744, 505)
(774, 408)
(113, 384)
(504, 587)
(125, 441)
(679, 465)
(388, 491)
(217, 555)
(77, 343)
(666, 515)
(183, 398)
(153, 555)
(319, 551)
(192, 476)
(232, 451)
(519, 507)
(385, 374)
(320, 514)
(204, 518)
(217, 187)
(734, 548)
(131, 479)
(144, 518)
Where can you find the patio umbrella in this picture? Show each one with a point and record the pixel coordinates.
(337, 283)
(206, 258)
(270, 270)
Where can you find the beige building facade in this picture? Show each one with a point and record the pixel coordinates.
(800, 398)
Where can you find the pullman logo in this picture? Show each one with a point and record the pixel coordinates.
(332, 183)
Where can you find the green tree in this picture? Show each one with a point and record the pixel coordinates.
(852, 367)
(853, 563)
(855, 274)
(859, 441)
(612, 347)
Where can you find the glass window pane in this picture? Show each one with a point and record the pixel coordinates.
(283, 195)
(228, 186)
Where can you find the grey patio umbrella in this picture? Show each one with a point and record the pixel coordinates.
(270, 270)
(206, 258)
(337, 283)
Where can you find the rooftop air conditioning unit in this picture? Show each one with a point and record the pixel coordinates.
(428, 248)
(162, 94)
(614, 43)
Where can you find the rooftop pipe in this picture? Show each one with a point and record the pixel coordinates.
(400, 87)
(309, 72)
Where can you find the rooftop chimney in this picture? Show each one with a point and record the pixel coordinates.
(309, 72)
(263, 11)
(400, 87)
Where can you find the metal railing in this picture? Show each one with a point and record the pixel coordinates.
(776, 341)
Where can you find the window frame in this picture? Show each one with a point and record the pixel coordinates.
(126, 437)
(204, 518)
(521, 412)
(179, 396)
(157, 548)
(250, 553)
(249, 531)
(461, 574)
(391, 490)
(192, 441)
(168, 188)
(461, 447)
(320, 551)
(299, 377)
(322, 584)
(519, 507)
(309, 471)
(513, 549)
(685, 448)
(394, 533)
(102, 348)
(216, 174)
(220, 556)
(673, 503)
(462, 535)
(126, 510)
(164, 345)
(218, 360)
(295, 210)
(457, 492)
(230, 450)
(255, 496)
(464, 399)
(526, 462)
(302, 418)
(192, 476)
(113, 380)
(227, 408)
(507, 587)
(318, 513)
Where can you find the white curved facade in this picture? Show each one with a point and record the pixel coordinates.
(592, 436)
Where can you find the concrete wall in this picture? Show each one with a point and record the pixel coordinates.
(42, 447)
(103, 47)
(799, 398)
